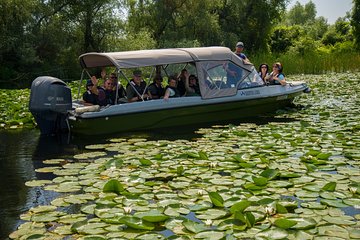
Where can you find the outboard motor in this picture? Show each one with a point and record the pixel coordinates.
(50, 101)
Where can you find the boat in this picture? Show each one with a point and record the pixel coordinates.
(223, 97)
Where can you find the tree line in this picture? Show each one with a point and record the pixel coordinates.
(46, 37)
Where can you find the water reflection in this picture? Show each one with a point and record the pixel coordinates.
(21, 152)
(16, 168)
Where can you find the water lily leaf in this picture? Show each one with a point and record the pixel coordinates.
(93, 237)
(270, 173)
(194, 227)
(216, 199)
(313, 205)
(246, 165)
(289, 174)
(312, 153)
(340, 220)
(306, 194)
(328, 195)
(137, 223)
(240, 206)
(310, 167)
(253, 187)
(333, 203)
(354, 233)
(46, 217)
(273, 233)
(312, 187)
(352, 202)
(37, 183)
(200, 207)
(330, 187)
(212, 214)
(203, 156)
(145, 162)
(251, 219)
(333, 231)
(280, 208)
(180, 170)
(213, 235)
(150, 236)
(284, 223)
(114, 186)
(303, 223)
(42, 209)
(35, 236)
(117, 163)
(152, 216)
(323, 156)
(260, 181)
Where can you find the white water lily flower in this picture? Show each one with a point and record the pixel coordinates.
(127, 210)
(200, 192)
(353, 190)
(213, 164)
(208, 222)
(270, 210)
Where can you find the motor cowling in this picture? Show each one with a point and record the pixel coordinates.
(50, 101)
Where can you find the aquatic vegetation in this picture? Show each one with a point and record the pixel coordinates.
(14, 111)
(14, 108)
(294, 177)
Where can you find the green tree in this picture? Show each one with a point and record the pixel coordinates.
(355, 22)
(284, 37)
(46, 37)
(249, 21)
(299, 14)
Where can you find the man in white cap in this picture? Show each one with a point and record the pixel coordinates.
(238, 51)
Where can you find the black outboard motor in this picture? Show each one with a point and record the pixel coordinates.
(50, 100)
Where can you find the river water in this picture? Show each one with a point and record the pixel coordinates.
(22, 151)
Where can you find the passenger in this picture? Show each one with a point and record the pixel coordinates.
(156, 89)
(239, 52)
(181, 82)
(276, 77)
(105, 94)
(135, 90)
(121, 90)
(263, 71)
(192, 85)
(89, 97)
(171, 90)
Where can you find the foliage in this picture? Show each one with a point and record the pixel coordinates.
(46, 37)
(301, 15)
(355, 22)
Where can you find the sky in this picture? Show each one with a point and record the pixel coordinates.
(330, 9)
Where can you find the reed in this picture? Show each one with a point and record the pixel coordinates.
(312, 63)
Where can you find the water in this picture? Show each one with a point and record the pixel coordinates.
(21, 152)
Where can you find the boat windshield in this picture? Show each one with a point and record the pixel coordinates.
(224, 78)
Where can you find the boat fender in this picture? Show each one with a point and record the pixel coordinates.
(93, 108)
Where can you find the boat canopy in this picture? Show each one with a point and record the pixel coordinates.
(153, 57)
(220, 71)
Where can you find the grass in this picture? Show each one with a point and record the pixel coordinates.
(313, 63)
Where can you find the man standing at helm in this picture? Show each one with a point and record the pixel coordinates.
(239, 52)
